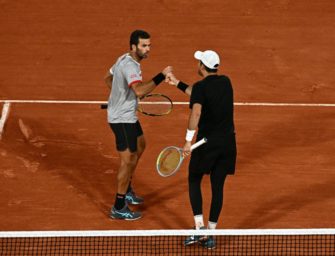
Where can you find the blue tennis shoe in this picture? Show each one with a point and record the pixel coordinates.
(124, 214)
(208, 243)
(194, 239)
(132, 198)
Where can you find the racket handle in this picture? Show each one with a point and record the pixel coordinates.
(104, 106)
(199, 143)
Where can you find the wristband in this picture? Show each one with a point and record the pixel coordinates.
(182, 86)
(189, 135)
(158, 78)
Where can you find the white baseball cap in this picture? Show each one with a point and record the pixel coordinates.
(209, 58)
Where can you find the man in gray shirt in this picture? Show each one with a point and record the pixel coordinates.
(125, 81)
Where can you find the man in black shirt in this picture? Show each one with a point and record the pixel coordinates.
(212, 111)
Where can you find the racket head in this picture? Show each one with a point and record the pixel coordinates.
(169, 161)
(155, 105)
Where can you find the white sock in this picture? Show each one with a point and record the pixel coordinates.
(211, 225)
(199, 221)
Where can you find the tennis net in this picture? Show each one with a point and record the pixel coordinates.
(170, 242)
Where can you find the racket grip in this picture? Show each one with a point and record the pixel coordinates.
(198, 144)
(104, 106)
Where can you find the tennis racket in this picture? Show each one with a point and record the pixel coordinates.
(152, 105)
(170, 159)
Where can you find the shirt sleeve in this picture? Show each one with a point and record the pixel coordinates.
(197, 95)
(132, 73)
(111, 70)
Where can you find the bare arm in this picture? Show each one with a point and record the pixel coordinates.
(143, 88)
(188, 90)
(171, 79)
(193, 122)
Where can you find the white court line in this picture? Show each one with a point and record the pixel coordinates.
(272, 104)
(264, 104)
(4, 116)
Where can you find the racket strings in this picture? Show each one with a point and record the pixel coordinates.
(155, 105)
(169, 161)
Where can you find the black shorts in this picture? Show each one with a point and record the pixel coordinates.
(218, 154)
(126, 135)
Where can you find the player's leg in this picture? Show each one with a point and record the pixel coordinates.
(141, 144)
(195, 175)
(131, 197)
(127, 164)
(195, 195)
(140, 148)
(128, 161)
(224, 165)
(120, 209)
(217, 178)
(126, 143)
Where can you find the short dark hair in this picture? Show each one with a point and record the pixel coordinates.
(136, 35)
(209, 70)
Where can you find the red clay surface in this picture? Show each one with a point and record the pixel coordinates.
(58, 162)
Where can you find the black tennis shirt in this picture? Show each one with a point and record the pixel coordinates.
(215, 94)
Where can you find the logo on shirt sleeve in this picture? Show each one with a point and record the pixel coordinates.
(133, 76)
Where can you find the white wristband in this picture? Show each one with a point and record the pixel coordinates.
(189, 135)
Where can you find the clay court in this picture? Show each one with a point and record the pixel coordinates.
(58, 160)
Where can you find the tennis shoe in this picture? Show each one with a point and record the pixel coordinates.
(132, 198)
(124, 214)
(193, 239)
(208, 243)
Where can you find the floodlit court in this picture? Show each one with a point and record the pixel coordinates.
(58, 158)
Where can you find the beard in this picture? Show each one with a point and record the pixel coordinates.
(141, 55)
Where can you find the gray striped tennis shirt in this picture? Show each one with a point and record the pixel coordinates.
(122, 102)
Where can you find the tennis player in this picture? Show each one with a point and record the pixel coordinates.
(125, 81)
(212, 112)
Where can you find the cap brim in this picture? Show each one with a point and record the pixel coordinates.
(198, 55)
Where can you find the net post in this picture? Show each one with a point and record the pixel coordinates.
(4, 117)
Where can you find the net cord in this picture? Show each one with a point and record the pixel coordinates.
(170, 232)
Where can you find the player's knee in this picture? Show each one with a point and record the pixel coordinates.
(141, 145)
(141, 149)
(129, 162)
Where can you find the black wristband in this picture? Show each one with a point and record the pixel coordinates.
(182, 86)
(158, 78)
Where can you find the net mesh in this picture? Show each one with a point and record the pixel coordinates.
(147, 243)
(168, 161)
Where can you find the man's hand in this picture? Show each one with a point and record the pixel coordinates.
(171, 79)
(167, 70)
(187, 148)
